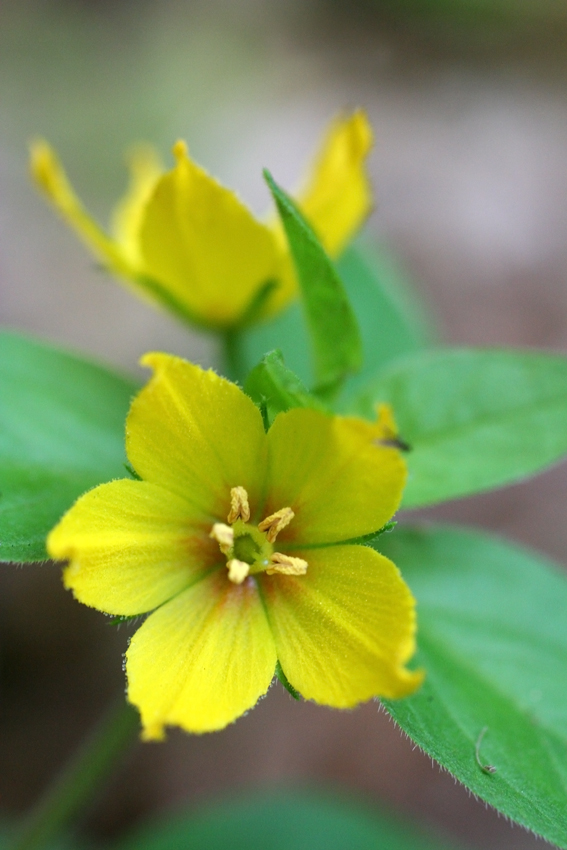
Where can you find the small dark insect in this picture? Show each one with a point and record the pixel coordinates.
(394, 443)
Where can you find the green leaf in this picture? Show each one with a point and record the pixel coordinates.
(391, 322)
(281, 820)
(61, 433)
(474, 419)
(10, 833)
(254, 309)
(337, 348)
(275, 388)
(391, 319)
(492, 635)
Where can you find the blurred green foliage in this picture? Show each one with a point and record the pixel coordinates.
(483, 23)
(282, 820)
(61, 433)
(475, 419)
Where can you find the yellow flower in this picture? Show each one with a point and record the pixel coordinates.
(237, 542)
(183, 240)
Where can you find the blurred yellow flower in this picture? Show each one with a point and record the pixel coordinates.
(237, 542)
(184, 241)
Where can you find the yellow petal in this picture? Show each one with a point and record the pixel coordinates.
(345, 629)
(204, 246)
(386, 424)
(131, 546)
(145, 170)
(197, 435)
(203, 659)
(334, 474)
(49, 175)
(338, 197)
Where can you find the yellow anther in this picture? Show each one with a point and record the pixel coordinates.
(286, 565)
(224, 535)
(239, 507)
(274, 523)
(237, 570)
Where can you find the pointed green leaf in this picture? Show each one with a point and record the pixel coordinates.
(333, 328)
(61, 433)
(392, 322)
(492, 636)
(475, 419)
(275, 388)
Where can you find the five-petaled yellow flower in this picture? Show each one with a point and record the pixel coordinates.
(183, 240)
(237, 541)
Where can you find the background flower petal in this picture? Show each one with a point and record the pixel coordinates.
(338, 196)
(334, 473)
(344, 630)
(203, 245)
(131, 546)
(196, 434)
(51, 178)
(202, 659)
(145, 170)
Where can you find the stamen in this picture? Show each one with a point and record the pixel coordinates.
(224, 535)
(275, 523)
(239, 507)
(287, 565)
(237, 570)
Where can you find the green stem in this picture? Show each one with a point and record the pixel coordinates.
(233, 364)
(81, 777)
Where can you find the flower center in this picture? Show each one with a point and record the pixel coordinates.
(249, 549)
(246, 549)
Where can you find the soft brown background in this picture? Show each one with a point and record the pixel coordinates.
(469, 168)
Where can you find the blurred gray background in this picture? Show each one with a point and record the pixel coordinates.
(468, 102)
